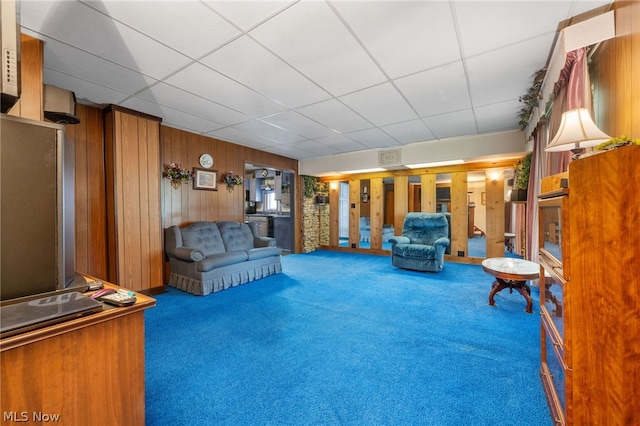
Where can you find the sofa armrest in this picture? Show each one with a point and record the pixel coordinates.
(259, 242)
(399, 239)
(188, 254)
(442, 241)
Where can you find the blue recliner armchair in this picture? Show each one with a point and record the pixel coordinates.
(422, 244)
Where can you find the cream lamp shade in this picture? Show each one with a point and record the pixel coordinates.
(577, 131)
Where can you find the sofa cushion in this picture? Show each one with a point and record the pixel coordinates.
(425, 228)
(260, 253)
(420, 251)
(221, 259)
(236, 236)
(203, 236)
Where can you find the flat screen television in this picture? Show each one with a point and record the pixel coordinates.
(36, 208)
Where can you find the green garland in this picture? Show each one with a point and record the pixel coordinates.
(617, 142)
(522, 172)
(532, 98)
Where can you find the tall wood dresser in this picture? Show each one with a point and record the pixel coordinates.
(590, 298)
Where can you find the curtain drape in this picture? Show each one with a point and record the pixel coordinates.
(572, 90)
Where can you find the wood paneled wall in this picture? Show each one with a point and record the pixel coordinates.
(134, 228)
(31, 102)
(186, 205)
(91, 207)
(615, 74)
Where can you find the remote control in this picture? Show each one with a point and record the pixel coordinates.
(95, 285)
(119, 298)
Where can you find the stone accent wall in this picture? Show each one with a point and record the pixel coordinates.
(315, 225)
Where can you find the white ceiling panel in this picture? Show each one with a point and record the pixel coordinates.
(409, 132)
(307, 35)
(201, 80)
(78, 25)
(373, 138)
(268, 131)
(335, 115)
(246, 14)
(341, 143)
(314, 148)
(498, 116)
(306, 78)
(88, 67)
(175, 98)
(188, 20)
(302, 125)
(381, 105)
(438, 90)
(283, 84)
(85, 91)
(489, 73)
(424, 29)
(456, 123)
(237, 136)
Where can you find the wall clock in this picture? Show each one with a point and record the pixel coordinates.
(206, 161)
(264, 172)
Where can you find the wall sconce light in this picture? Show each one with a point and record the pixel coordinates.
(577, 131)
(494, 176)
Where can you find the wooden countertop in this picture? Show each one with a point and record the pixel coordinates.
(108, 313)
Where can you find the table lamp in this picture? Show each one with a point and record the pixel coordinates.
(577, 131)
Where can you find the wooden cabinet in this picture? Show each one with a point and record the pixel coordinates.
(86, 371)
(590, 298)
(133, 178)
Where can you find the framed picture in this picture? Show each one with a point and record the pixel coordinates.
(205, 179)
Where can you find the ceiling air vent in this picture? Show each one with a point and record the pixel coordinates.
(60, 105)
(389, 157)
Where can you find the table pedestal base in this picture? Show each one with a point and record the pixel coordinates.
(520, 286)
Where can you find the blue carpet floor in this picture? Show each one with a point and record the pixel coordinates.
(345, 339)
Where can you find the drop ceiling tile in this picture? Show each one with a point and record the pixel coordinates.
(498, 117)
(373, 138)
(86, 92)
(381, 105)
(488, 25)
(409, 132)
(268, 131)
(78, 25)
(439, 90)
(246, 14)
(336, 116)
(341, 143)
(247, 62)
(172, 117)
(232, 135)
(404, 36)
(77, 63)
(316, 148)
(505, 74)
(457, 123)
(189, 27)
(298, 123)
(175, 98)
(292, 151)
(211, 85)
(312, 39)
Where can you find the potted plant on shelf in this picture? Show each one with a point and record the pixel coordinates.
(521, 179)
(177, 175)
